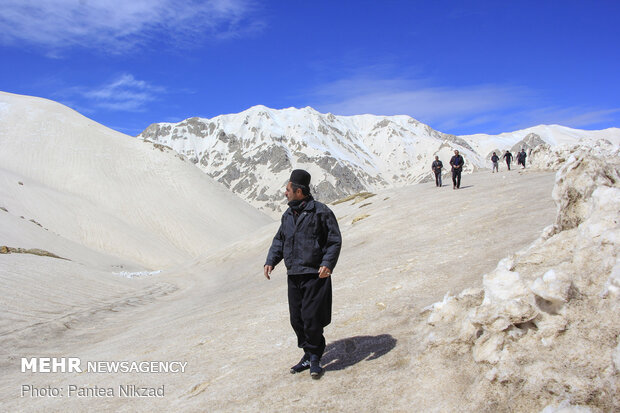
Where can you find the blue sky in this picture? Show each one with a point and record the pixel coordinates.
(460, 66)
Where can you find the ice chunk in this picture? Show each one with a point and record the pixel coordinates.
(553, 286)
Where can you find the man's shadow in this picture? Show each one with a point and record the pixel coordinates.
(349, 351)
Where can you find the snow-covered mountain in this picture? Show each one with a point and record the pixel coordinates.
(253, 152)
(552, 135)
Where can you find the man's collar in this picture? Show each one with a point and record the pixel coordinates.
(309, 205)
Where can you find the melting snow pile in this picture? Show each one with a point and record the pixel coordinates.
(547, 158)
(544, 330)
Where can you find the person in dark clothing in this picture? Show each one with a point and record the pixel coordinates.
(495, 159)
(309, 241)
(508, 157)
(457, 167)
(437, 166)
(522, 155)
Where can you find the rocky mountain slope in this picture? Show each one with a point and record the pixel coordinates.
(252, 152)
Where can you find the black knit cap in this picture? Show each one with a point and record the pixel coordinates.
(300, 177)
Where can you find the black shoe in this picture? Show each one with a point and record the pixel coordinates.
(316, 371)
(304, 364)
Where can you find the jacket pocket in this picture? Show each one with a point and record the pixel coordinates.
(312, 254)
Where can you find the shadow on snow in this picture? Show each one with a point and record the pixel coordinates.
(349, 351)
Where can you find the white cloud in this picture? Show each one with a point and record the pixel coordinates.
(436, 105)
(488, 108)
(117, 26)
(125, 93)
(574, 116)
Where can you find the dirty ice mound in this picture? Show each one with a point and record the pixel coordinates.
(543, 332)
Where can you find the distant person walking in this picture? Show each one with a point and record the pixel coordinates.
(436, 167)
(508, 157)
(521, 157)
(309, 241)
(495, 159)
(457, 162)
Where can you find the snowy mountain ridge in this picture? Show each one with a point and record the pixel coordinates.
(252, 152)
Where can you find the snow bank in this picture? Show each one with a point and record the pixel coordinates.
(550, 158)
(546, 324)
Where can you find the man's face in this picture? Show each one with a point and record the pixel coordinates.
(436, 158)
(292, 195)
(456, 152)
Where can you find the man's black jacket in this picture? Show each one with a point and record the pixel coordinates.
(457, 162)
(311, 242)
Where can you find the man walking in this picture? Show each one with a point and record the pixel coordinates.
(457, 167)
(309, 241)
(495, 159)
(522, 157)
(508, 157)
(437, 167)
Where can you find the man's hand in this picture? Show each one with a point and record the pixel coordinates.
(267, 270)
(324, 272)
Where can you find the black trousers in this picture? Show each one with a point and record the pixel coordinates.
(310, 308)
(456, 177)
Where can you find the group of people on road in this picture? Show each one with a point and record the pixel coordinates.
(508, 158)
(457, 163)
